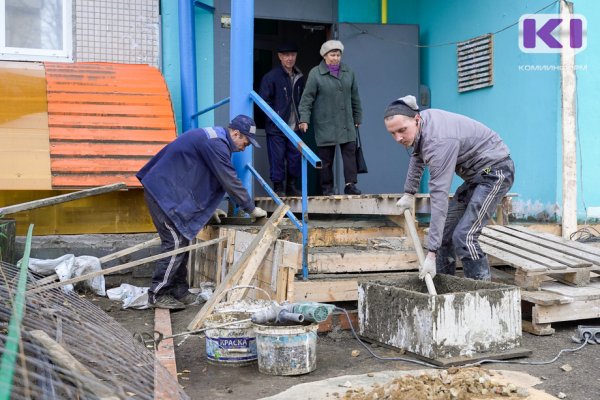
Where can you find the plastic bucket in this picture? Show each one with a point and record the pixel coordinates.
(286, 350)
(233, 345)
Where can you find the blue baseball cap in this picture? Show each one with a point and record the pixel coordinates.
(247, 126)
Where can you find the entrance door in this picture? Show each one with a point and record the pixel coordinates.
(385, 59)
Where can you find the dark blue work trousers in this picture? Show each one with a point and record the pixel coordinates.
(170, 273)
(280, 150)
(469, 211)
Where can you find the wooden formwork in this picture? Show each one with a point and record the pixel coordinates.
(277, 269)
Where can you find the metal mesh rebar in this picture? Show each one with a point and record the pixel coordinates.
(120, 366)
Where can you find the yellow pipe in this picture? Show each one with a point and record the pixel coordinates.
(384, 11)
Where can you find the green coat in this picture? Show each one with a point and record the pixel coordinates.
(333, 103)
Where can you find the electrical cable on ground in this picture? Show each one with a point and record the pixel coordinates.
(424, 363)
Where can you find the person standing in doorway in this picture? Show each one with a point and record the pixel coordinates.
(449, 143)
(183, 185)
(331, 103)
(282, 88)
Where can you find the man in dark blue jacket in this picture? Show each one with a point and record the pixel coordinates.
(282, 88)
(183, 185)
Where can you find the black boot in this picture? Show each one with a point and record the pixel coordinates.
(290, 187)
(351, 189)
(278, 189)
(477, 269)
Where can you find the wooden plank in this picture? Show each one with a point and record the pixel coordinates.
(282, 280)
(252, 266)
(84, 377)
(580, 277)
(537, 329)
(563, 248)
(591, 292)
(107, 258)
(537, 249)
(538, 259)
(544, 298)
(350, 260)
(528, 281)
(325, 291)
(511, 259)
(264, 239)
(557, 239)
(50, 201)
(122, 266)
(583, 309)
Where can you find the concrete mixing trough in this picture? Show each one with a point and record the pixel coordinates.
(465, 319)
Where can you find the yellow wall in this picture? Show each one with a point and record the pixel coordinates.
(115, 212)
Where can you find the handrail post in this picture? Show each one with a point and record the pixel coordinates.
(304, 219)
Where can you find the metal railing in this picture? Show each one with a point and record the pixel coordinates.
(307, 156)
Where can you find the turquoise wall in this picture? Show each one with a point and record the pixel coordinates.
(523, 105)
(588, 112)
(204, 58)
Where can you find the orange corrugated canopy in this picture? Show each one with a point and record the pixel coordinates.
(105, 121)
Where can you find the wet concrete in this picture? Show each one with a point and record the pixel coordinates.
(466, 318)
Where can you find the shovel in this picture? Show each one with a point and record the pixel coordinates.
(410, 223)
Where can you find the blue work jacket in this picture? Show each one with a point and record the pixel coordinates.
(283, 95)
(189, 177)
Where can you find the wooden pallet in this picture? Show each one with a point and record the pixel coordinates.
(556, 275)
(537, 256)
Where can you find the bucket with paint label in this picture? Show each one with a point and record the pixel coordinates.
(231, 345)
(286, 350)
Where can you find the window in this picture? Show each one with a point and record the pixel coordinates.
(36, 30)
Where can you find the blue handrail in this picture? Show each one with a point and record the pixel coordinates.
(307, 154)
(287, 131)
(276, 198)
(207, 109)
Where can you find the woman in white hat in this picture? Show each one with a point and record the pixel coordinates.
(331, 98)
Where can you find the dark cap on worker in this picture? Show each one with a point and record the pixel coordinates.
(246, 126)
(287, 47)
(406, 105)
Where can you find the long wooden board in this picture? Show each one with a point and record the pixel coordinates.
(557, 239)
(261, 243)
(541, 260)
(536, 249)
(563, 248)
(512, 259)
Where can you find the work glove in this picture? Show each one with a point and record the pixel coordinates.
(428, 266)
(406, 202)
(258, 213)
(218, 214)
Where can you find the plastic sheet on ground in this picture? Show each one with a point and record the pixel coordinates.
(132, 296)
(69, 266)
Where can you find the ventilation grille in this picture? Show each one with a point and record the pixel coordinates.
(475, 63)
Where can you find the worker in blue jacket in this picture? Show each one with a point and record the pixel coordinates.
(281, 88)
(183, 185)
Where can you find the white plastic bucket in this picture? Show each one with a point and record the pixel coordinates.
(286, 350)
(232, 345)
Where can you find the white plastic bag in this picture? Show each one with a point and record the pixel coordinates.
(132, 296)
(69, 266)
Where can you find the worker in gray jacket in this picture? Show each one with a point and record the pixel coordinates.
(448, 143)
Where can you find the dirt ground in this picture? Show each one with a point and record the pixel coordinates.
(202, 380)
